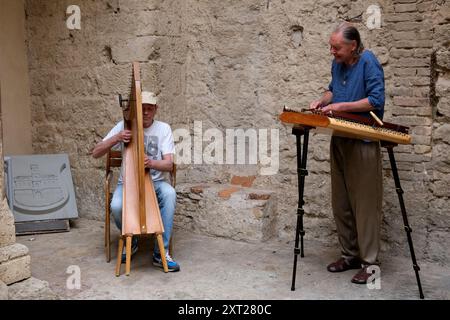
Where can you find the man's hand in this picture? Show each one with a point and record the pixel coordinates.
(103, 147)
(124, 136)
(316, 104)
(148, 163)
(326, 98)
(333, 107)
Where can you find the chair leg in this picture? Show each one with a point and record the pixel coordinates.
(128, 255)
(108, 238)
(119, 257)
(163, 252)
(171, 246)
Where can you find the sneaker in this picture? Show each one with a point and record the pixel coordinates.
(134, 249)
(171, 264)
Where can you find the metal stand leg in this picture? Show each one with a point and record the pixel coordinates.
(405, 218)
(302, 156)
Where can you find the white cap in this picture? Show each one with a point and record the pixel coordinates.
(149, 98)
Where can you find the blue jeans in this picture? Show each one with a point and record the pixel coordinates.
(167, 199)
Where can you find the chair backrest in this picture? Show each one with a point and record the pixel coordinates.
(114, 159)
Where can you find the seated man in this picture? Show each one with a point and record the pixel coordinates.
(159, 151)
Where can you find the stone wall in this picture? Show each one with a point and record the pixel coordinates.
(14, 79)
(14, 258)
(78, 74)
(234, 64)
(419, 89)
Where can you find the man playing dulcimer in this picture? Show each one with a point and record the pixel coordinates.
(357, 86)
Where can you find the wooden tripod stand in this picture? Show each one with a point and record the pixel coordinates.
(140, 209)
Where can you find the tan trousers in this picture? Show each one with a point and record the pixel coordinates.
(357, 195)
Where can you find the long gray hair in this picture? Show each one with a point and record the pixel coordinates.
(350, 33)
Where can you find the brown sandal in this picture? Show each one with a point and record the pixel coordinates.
(343, 265)
(362, 276)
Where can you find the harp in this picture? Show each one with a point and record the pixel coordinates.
(140, 209)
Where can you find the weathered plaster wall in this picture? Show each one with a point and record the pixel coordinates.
(234, 64)
(14, 79)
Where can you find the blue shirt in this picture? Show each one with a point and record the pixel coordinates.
(364, 79)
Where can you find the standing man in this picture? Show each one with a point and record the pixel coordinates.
(357, 86)
(159, 151)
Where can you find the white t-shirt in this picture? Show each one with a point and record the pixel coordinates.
(158, 141)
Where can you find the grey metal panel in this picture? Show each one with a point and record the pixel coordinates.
(41, 188)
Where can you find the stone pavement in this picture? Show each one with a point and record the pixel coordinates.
(217, 268)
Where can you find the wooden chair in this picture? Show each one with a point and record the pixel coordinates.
(114, 160)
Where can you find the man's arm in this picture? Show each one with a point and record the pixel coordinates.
(166, 164)
(103, 147)
(362, 105)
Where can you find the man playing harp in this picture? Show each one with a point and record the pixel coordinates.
(159, 151)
